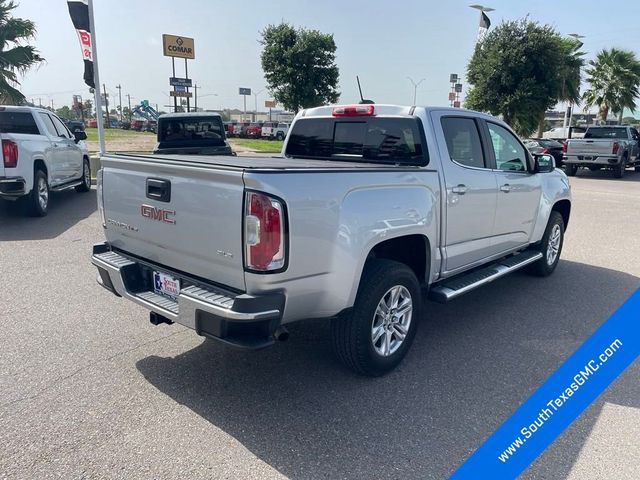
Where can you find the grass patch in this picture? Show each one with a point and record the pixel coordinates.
(115, 134)
(257, 145)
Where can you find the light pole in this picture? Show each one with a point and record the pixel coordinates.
(255, 95)
(415, 87)
(578, 38)
(481, 24)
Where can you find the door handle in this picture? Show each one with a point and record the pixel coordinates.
(506, 188)
(460, 189)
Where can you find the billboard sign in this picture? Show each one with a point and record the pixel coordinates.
(270, 104)
(180, 94)
(458, 87)
(244, 91)
(180, 82)
(175, 46)
(453, 78)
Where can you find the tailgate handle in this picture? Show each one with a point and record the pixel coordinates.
(159, 189)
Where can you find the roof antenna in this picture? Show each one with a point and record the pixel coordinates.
(362, 99)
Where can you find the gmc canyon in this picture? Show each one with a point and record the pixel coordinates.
(368, 207)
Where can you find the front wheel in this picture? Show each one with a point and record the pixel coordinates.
(618, 170)
(85, 186)
(38, 199)
(570, 169)
(376, 334)
(280, 136)
(550, 246)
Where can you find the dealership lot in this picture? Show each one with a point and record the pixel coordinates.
(90, 389)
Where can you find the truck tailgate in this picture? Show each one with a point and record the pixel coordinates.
(590, 147)
(195, 228)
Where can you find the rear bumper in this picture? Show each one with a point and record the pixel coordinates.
(586, 160)
(238, 319)
(12, 187)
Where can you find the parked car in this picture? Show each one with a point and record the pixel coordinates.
(611, 147)
(368, 204)
(228, 128)
(240, 129)
(280, 131)
(137, 124)
(268, 130)
(125, 125)
(92, 123)
(74, 125)
(40, 155)
(545, 145)
(198, 133)
(254, 130)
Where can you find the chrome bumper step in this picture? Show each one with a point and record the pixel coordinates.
(453, 287)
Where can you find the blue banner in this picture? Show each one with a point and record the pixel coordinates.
(560, 399)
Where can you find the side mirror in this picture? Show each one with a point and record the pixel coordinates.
(544, 163)
(80, 135)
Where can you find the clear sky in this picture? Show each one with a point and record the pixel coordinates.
(383, 41)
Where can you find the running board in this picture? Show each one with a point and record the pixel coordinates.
(454, 287)
(66, 186)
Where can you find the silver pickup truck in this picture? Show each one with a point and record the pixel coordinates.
(612, 147)
(369, 207)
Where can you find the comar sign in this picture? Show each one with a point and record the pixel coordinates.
(175, 46)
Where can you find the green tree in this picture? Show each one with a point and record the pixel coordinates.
(299, 66)
(15, 57)
(614, 77)
(65, 113)
(520, 70)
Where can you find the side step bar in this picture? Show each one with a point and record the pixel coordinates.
(66, 186)
(454, 287)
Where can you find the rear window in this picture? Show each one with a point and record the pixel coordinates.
(374, 139)
(191, 129)
(18, 122)
(604, 132)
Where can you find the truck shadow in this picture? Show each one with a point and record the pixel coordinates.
(65, 210)
(630, 175)
(473, 362)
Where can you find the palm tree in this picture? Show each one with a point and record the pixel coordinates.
(15, 57)
(614, 78)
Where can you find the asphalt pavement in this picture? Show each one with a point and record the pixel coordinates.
(90, 389)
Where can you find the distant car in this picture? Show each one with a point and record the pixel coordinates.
(74, 125)
(125, 125)
(197, 133)
(229, 128)
(137, 124)
(268, 129)
(254, 130)
(240, 130)
(280, 131)
(545, 145)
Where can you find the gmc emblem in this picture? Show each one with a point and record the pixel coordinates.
(159, 214)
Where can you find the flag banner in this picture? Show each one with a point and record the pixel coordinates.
(560, 399)
(483, 27)
(79, 12)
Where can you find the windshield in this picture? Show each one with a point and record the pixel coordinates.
(372, 139)
(191, 130)
(18, 122)
(604, 132)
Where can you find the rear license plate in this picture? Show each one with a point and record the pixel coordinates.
(166, 285)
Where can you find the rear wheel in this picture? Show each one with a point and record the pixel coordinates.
(376, 334)
(550, 246)
(637, 169)
(280, 136)
(570, 169)
(38, 199)
(618, 170)
(85, 186)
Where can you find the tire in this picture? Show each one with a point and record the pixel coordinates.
(618, 170)
(353, 333)
(637, 168)
(38, 199)
(280, 136)
(570, 169)
(85, 186)
(555, 230)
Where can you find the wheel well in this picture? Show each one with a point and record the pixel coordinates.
(412, 250)
(563, 207)
(40, 165)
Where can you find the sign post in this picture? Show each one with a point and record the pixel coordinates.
(270, 104)
(175, 46)
(244, 92)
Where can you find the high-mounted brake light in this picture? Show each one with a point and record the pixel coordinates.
(264, 233)
(616, 147)
(353, 111)
(10, 153)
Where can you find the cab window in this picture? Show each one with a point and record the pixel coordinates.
(463, 141)
(510, 154)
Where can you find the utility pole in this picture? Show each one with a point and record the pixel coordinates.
(106, 103)
(129, 100)
(255, 114)
(119, 87)
(195, 96)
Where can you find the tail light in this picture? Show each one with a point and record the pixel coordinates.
(264, 224)
(10, 153)
(564, 147)
(99, 190)
(353, 111)
(616, 147)
(546, 150)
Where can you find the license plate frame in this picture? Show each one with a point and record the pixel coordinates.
(166, 285)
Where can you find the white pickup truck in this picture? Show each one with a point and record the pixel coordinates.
(40, 155)
(366, 205)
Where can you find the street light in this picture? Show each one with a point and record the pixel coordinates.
(415, 87)
(482, 10)
(255, 95)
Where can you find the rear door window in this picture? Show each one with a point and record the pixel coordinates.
(18, 122)
(374, 139)
(463, 141)
(48, 123)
